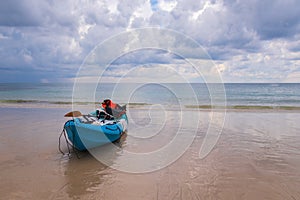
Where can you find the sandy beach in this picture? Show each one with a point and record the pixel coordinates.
(257, 157)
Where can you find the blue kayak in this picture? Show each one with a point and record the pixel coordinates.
(88, 132)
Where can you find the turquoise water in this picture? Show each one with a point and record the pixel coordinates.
(171, 94)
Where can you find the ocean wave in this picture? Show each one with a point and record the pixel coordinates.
(146, 105)
(19, 101)
(244, 107)
(22, 101)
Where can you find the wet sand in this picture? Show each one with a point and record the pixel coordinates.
(257, 157)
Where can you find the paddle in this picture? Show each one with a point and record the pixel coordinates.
(73, 114)
(79, 114)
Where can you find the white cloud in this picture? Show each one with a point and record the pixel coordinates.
(140, 16)
(167, 5)
(84, 27)
(293, 77)
(206, 6)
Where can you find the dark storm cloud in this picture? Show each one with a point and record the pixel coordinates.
(268, 18)
(20, 13)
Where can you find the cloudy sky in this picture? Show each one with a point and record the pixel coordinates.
(249, 41)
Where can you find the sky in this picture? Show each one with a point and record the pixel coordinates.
(248, 41)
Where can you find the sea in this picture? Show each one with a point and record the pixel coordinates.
(193, 95)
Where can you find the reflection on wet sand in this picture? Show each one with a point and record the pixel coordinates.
(83, 175)
(253, 159)
(86, 175)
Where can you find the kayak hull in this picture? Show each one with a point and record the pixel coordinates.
(85, 136)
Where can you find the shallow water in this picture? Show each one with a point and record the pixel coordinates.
(194, 94)
(257, 157)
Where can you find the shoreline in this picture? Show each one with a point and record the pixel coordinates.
(145, 106)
